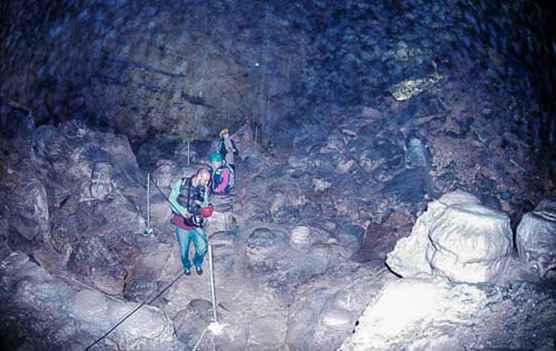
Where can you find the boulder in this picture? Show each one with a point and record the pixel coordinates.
(28, 206)
(92, 261)
(160, 209)
(149, 270)
(265, 246)
(536, 239)
(416, 315)
(323, 312)
(224, 251)
(425, 315)
(456, 238)
(409, 88)
(50, 314)
(379, 239)
(222, 218)
(286, 200)
(192, 320)
(320, 185)
(101, 180)
(300, 237)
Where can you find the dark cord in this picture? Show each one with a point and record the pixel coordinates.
(133, 312)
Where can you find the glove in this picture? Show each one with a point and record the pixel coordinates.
(206, 212)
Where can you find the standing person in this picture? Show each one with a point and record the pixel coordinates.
(190, 207)
(227, 148)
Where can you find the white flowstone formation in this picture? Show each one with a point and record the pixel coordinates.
(456, 238)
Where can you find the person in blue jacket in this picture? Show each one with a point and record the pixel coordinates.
(189, 201)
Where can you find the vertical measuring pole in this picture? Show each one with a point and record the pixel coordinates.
(148, 230)
(148, 200)
(188, 152)
(212, 291)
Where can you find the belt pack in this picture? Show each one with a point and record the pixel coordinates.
(181, 222)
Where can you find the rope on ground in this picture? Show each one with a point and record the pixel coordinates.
(200, 339)
(123, 319)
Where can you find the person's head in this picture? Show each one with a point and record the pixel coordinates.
(202, 176)
(224, 133)
(216, 160)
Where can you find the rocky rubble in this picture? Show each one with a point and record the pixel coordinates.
(292, 262)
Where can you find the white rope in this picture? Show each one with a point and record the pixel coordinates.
(200, 339)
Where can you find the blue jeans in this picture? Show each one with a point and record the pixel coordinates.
(200, 242)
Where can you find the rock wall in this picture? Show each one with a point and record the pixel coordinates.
(192, 67)
(182, 68)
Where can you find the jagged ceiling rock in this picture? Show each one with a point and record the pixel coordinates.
(182, 67)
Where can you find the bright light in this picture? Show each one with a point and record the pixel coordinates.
(404, 307)
(216, 328)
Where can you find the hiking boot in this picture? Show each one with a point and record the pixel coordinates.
(199, 270)
(187, 271)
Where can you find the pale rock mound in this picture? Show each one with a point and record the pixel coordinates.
(436, 315)
(416, 314)
(456, 238)
(536, 239)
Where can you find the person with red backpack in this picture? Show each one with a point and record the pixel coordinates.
(190, 208)
(222, 175)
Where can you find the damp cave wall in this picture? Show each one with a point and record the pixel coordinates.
(185, 69)
(191, 67)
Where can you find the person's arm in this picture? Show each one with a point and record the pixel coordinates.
(176, 207)
(228, 144)
(206, 197)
